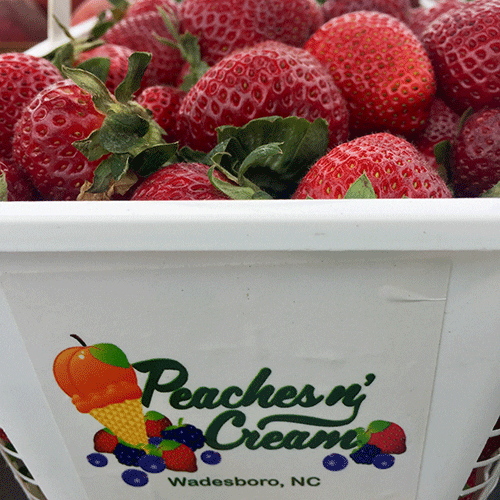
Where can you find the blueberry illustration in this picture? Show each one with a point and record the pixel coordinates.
(383, 461)
(135, 477)
(155, 440)
(365, 454)
(152, 463)
(211, 457)
(97, 459)
(335, 462)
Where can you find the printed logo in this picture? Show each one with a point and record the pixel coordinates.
(100, 381)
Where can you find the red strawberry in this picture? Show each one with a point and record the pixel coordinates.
(380, 67)
(105, 441)
(3, 436)
(225, 25)
(155, 423)
(143, 6)
(442, 125)
(397, 8)
(265, 80)
(179, 181)
(164, 102)
(464, 47)
(387, 436)
(19, 185)
(118, 56)
(178, 457)
(421, 17)
(138, 33)
(89, 9)
(59, 115)
(475, 161)
(394, 167)
(22, 76)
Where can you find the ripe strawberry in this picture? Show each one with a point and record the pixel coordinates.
(105, 441)
(464, 47)
(397, 8)
(178, 457)
(19, 185)
(118, 56)
(421, 17)
(387, 436)
(380, 67)
(475, 163)
(138, 33)
(88, 9)
(58, 115)
(394, 167)
(265, 80)
(164, 103)
(225, 25)
(143, 6)
(22, 76)
(442, 125)
(155, 423)
(179, 181)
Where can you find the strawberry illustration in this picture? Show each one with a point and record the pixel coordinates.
(223, 26)
(105, 441)
(463, 49)
(270, 79)
(387, 436)
(155, 423)
(178, 457)
(392, 166)
(381, 69)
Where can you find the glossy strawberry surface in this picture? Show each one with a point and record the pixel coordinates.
(394, 167)
(464, 47)
(59, 115)
(396, 8)
(225, 25)
(268, 79)
(380, 67)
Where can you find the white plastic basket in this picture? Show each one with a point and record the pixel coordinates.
(318, 292)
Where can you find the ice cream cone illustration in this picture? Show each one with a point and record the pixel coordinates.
(100, 380)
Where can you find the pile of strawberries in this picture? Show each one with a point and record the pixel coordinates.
(259, 99)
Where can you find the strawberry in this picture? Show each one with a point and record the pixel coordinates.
(397, 8)
(88, 9)
(139, 34)
(387, 436)
(143, 6)
(393, 166)
(22, 76)
(225, 25)
(475, 162)
(59, 115)
(164, 102)
(18, 183)
(155, 423)
(464, 47)
(442, 125)
(421, 17)
(265, 80)
(105, 441)
(118, 56)
(178, 457)
(179, 181)
(380, 67)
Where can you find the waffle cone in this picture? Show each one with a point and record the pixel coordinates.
(125, 420)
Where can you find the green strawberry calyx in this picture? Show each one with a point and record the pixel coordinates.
(154, 416)
(168, 445)
(127, 132)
